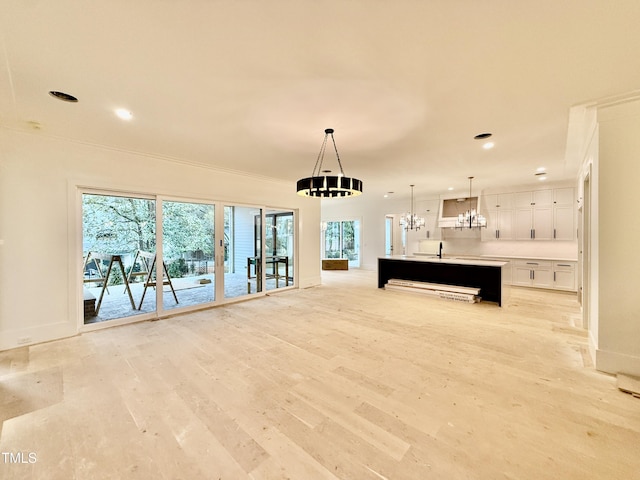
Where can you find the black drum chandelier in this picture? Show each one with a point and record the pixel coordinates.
(321, 184)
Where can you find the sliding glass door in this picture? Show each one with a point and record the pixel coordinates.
(116, 230)
(188, 241)
(242, 251)
(279, 248)
(206, 253)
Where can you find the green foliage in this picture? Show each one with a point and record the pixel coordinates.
(118, 224)
(178, 268)
(115, 277)
(340, 240)
(187, 227)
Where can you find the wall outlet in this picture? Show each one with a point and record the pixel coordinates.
(24, 340)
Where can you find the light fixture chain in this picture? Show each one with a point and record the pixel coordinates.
(337, 154)
(472, 218)
(320, 159)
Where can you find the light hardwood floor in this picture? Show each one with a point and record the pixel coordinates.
(341, 381)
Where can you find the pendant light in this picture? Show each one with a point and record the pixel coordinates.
(471, 218)
(318, 185)
(411, 221)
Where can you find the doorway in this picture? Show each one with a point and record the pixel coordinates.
(388, 235)
(342, 240)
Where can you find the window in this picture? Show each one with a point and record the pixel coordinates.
(342, 240)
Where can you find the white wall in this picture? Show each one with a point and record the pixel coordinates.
(40, 255)
(618, 272)
(370, 212)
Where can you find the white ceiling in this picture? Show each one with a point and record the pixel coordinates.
(250, 85)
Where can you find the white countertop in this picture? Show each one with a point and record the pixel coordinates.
(550, 259)
(450, 260)
(510, 257)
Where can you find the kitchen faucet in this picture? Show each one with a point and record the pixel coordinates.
(440, 251)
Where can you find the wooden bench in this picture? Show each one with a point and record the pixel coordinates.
(335, 264)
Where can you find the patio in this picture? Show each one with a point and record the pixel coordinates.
(189, 291)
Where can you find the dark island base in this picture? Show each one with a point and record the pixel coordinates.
(487, 278)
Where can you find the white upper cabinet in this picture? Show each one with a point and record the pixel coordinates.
(539, 198)
(547, 214)
(564, 214)
(498, 209)
(496, 201)
(564, 196)
(534, 215)
(564, 223)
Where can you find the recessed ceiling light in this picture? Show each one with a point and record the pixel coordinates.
(488, 145)
(482, 136)
(65, 97)
(542, 179)
(540, 169)
(124, 114)
(450, 188)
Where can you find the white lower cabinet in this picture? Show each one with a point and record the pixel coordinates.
(555, 275)
(532, 273)
(564, 276)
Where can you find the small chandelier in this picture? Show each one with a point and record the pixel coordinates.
(411, 221)
(318, 185)
(471, 218)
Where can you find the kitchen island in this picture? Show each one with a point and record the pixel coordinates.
(487, 275)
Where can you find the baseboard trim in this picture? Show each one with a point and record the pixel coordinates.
(614, 363)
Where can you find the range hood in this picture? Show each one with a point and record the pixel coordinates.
(450, 208)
